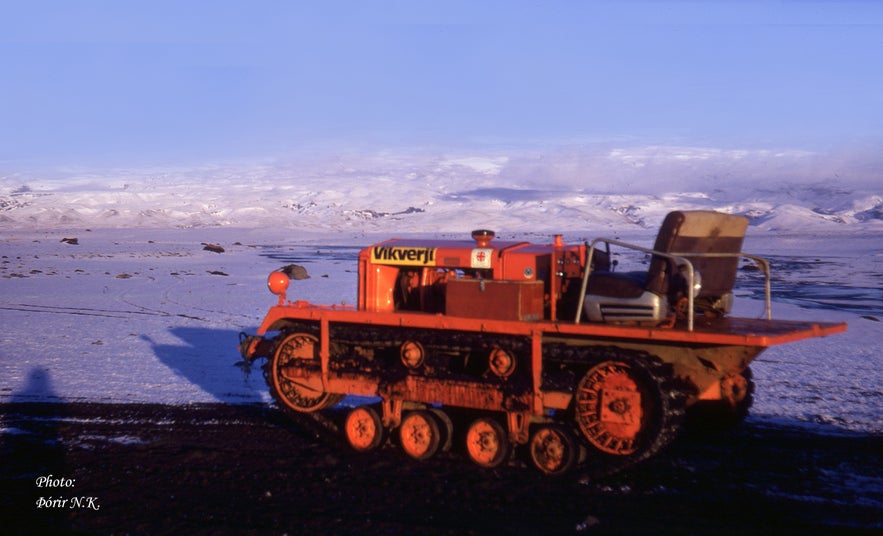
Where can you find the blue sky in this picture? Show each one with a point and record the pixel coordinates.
(157, 82)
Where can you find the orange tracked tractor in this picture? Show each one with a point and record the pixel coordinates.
(503, 344)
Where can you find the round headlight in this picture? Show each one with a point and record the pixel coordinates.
(278, 283)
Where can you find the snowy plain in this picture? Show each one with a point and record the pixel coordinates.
(137, 311)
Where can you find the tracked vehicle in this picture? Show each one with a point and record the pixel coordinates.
(503, 344)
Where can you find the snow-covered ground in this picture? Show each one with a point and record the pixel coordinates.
(137, 311)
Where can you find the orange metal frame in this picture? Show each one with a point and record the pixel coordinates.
(742, 332)
(380, 270)
(728, 332)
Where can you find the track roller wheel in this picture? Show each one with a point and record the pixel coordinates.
(627, 407)
(487, 443)
(420, 435)
(553, 450)
(738, 391)
(294, 375)
(715, 415)
(446, 427)
(363, 429)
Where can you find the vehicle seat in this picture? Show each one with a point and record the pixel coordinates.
(650, 296)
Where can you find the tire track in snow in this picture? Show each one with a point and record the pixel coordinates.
(86, 311)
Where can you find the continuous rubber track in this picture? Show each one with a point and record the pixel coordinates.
(452, 355)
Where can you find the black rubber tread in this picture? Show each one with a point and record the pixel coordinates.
(563, 368)
(671, 394)
(452, 355)
(743, 408)
(299, 416)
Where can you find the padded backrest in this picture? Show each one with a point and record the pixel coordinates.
(699, 231)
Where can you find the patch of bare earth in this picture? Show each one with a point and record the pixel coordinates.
(222, 469)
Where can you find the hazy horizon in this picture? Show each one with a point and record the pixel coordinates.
(90, 84)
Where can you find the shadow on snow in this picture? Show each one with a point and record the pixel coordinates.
(208, 358)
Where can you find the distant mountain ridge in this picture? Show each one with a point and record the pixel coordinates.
(421, 193)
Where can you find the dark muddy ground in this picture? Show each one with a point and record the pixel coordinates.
(220, 469)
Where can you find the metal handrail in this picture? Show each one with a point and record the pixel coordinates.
(679, 258)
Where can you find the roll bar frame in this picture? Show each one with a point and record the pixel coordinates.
(680, 259)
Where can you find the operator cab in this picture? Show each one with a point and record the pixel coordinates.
(695, 259)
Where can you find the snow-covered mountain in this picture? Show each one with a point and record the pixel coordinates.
(621, 189)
